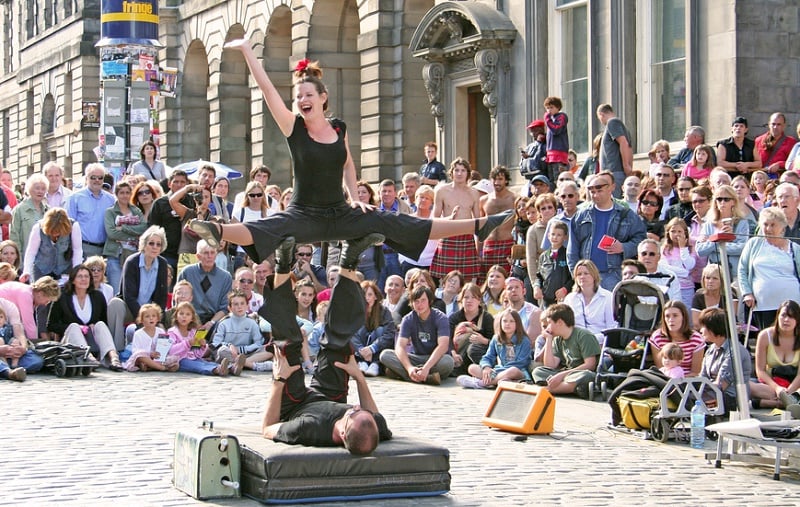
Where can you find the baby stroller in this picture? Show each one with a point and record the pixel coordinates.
(66, 359)
(638, 305)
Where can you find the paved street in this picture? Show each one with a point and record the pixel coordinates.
(108, 440)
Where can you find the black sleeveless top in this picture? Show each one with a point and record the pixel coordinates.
(318, 167)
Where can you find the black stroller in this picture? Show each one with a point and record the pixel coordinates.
(638, 305)
(66, 359)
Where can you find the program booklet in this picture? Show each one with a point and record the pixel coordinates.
(163, 344)
(199, 338)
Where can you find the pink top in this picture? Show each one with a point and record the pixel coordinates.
(22, 296)
(182, 345)
(698, 173)
(693, 344)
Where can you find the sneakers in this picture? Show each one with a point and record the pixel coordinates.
(262, 366)
(222, 369)
(284, 256)
(209, 231)
(789, 398)
(470, 382)
(363, 365)
(17, 374)
(373, 370)
(434, 379)
(237, 367)
(354, 248)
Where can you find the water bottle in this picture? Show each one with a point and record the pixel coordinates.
(698, 436)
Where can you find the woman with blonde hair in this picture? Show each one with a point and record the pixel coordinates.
(725, 216)
(592, 305)
(55, 246)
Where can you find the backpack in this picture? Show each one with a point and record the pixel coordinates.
(637, 412)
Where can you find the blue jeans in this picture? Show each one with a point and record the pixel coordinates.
(391, 267)
(113, 273)
(31, 361)
(4, 369)
(197, 366)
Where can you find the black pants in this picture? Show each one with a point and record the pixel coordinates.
(345, 316)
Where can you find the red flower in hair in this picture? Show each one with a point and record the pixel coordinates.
(301, 65)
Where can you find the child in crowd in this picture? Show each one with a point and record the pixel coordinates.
(702, 163)
(187, 347)
(557, 138)
(671, 357)
(144, 355)
(317, 330)
(183, 292)
(553, 278)
(237, 335)
(7, 338)
(305, 294)
(508, 356)
(680, 256)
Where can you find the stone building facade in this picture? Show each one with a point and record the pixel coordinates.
(469, 74)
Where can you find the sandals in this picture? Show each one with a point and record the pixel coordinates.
(209, 231)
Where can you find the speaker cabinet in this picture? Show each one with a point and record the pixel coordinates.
(521, 408)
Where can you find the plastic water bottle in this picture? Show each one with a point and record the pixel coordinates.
(698, 436)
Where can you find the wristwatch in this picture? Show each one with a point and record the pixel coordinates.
(279, 379)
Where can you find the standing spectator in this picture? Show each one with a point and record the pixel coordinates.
(124, 225)
(553, 280)
(621, 227)
(774, 145)
(163, 216)
(54, 247)
(432, 171)
(390, 202)
(457, 200)
(557, 138)
(425, 199)
(497, 247)
(411, 182)
(592, 163)
(148, 165)
(7, 187)
(616, 151)
(420, 353)
(200, 210)
(88, 206)
(545, 205)
(144, 196)
(694, 137)
(30, 211)
(57, 193)
(371, 261)
(533, 158)
(220, 190)
(253, 207)
(737, 154)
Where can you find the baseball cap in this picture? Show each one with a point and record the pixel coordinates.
(544, 179)
(484, 186)
(536, 123)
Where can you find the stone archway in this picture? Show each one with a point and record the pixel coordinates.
(195, 111)
(233, 92)
(466, 47)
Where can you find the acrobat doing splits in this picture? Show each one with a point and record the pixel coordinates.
(321, 161)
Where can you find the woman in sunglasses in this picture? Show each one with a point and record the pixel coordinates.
(649, 209)
(144, 195)
(725, 216)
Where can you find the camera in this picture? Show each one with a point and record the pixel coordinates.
(197, 196)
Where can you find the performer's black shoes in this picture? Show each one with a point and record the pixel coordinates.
(209, 231)
(492, 223)
(352, 249)
(284, 256)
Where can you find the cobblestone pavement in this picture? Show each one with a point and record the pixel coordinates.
(107, 440)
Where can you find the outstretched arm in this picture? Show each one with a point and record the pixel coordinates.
(272, 415)
(282, 115)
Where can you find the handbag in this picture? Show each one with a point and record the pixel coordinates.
(517, 252)
(785, 372)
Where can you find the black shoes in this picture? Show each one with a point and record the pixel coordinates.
(284, 256)
(209, 231)
(492, 223)
(352, 249)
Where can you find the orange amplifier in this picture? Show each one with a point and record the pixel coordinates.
(521, 408)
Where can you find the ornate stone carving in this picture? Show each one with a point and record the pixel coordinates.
(486, 63)
(433, 76)
(452, 22)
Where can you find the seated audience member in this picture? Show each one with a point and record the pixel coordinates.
(237, 336)
(182, 292)
(394, 290)
(54, 247)
(570, 354)
(210, 285)
(420, 352)
(420, 278)
(449, 290)
(529, 313)
(676, 328)
(333, 275)
(718, 361)
(658, 272)
(709, 295)
(471, 328)
(79, 317)
(304, 269)
(649, 210)
(508, 356)
(493, 289)
(10, 253)
(184, 346)
(777, 360)
(592, 305)
(263, 271)
(725, 216)
(243, 280)
(377, 334)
